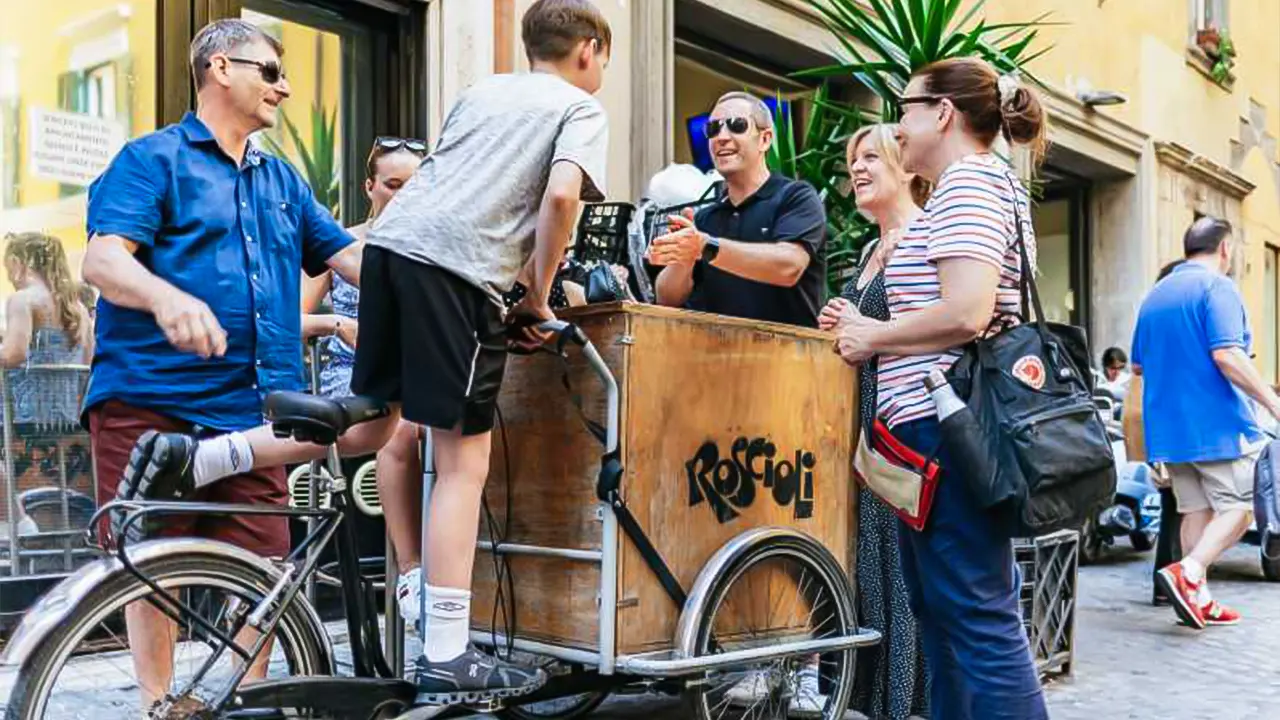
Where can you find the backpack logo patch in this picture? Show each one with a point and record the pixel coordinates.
(1030, 370)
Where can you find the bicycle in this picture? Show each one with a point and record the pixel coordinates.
(235, 611)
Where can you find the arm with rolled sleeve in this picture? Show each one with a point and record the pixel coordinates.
(1226, 329)
(798, 237)
(124, 214)
(799, 233)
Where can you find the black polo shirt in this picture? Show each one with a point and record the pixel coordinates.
(782, 210)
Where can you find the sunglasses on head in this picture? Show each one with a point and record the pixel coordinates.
(270, 70)
(736, 125)
(392, 144)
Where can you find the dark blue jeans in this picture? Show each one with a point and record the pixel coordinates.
(959, 574)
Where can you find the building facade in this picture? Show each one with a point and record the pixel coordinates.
(1119, 185)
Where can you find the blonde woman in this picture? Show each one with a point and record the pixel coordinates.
(46, 324)
(892, 683)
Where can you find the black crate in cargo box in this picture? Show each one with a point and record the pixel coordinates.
(602, 234)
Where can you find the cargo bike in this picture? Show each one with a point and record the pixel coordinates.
(697, 541)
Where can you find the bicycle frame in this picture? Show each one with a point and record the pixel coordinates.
(297, 569)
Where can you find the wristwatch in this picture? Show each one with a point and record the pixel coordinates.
(710, 250)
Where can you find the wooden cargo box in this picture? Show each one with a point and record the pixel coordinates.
(726, 425)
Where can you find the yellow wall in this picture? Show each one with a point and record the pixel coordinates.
(1140, 48)
(44, 34)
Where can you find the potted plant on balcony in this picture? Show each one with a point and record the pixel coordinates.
(1208, 40)
(1224, 58)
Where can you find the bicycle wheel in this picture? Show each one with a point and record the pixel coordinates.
(783, 590)
(84, 669)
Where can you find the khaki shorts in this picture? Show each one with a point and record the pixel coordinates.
(1220, 485)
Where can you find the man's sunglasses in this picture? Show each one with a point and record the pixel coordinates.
(903, 102)
(736, 125)
(392, 144)
(270, 70)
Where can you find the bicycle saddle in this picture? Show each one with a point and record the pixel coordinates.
(319, 420)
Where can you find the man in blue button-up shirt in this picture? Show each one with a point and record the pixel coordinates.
(197, 243)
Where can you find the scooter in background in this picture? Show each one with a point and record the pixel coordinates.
(1135, 511)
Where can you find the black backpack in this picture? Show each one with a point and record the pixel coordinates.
(1030, 389)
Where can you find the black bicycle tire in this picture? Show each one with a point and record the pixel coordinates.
(819, 559)
(37, 669)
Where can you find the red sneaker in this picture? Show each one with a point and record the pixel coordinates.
(1215, 613)
(1183, 594)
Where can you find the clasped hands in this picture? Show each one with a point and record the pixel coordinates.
(682, 244)
(853, 330)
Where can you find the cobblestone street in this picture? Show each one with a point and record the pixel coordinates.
(1132, 662)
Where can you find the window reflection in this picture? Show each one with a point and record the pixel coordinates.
(77, 79)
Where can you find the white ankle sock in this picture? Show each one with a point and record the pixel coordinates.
(1193, 570)
(1203, 596)
(447, 621)
(221, 457)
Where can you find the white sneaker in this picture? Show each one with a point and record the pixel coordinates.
(808, 700)
(409, 596)
(751, 689)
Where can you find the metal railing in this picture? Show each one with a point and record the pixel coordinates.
(48, 476)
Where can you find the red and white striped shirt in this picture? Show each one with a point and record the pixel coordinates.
(970, 215)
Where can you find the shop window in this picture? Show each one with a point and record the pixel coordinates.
(1209, 14)
(310, 127)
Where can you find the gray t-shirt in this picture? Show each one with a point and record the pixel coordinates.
(472, 206)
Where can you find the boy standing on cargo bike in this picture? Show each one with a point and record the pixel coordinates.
(501, 191)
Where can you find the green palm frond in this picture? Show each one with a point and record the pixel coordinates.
(880, 44)
(884, 41)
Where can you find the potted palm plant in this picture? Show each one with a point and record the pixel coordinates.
(881, 43)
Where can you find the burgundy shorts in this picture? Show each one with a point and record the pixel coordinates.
(114, 427)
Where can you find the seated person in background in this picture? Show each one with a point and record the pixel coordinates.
(1115, 368)
(756, 251)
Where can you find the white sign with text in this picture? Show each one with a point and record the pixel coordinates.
(71, 148)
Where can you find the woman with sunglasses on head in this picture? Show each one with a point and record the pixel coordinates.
(391, 163)
(892, 682)
(955, 270)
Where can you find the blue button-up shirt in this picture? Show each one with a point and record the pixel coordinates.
(238, 239)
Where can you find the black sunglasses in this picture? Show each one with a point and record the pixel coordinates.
(916, 100)
(392, 144)
(270, 70)
(736, 125)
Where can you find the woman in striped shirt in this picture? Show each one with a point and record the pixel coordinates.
(954, 271)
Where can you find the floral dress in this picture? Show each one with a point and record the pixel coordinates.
(892, 680)
(336, 357)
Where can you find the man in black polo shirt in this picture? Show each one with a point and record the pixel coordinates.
(756, 252)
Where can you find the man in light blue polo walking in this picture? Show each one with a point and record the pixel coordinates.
(1192, 347)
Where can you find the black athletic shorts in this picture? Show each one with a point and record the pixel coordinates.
(430, 341)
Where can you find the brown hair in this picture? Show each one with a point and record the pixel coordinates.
(551, 29)
(973, 86)
(884, 137)
(44, 256)
(377, 152)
